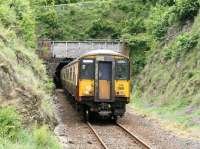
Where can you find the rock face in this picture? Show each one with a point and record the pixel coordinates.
(7, 80)
(24, 84)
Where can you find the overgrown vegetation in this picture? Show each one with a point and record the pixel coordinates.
(141, 24)
(12, 135)
(168, 86)
(24, 84)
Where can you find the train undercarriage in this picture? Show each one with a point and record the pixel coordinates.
(102, 110)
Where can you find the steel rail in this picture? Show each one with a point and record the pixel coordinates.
(134, 136)
(98, 137)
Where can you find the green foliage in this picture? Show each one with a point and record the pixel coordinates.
(166, 2)
(19, 16)
(6, 14)
(159, 21)
(166, 14)
(130, 20)
(17, 37)
(44, 139)
(103, 29)
(138, 45)
(187, 9)
(10, 123)
(12, 135)
(168, 86)
(182, 45)
(69, 22)
(57, 2)
(51, 28)
(185, 43)
(135, 26)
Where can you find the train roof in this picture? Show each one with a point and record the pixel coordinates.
(102, 52)
(99, 52)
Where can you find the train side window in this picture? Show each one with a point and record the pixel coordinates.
(71, 72)
(87, 69)
(74, 73)
(67, 74)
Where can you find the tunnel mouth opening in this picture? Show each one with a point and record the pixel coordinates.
(57, 78)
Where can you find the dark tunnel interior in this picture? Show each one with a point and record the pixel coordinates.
(57, 79)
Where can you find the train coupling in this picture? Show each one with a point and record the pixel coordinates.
(104, 109)
(105, 113)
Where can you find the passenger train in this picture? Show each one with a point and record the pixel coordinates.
(99, 82)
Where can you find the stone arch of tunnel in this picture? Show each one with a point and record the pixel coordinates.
(61, 64)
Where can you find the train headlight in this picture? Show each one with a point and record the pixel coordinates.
(88, 91)
(120, 93)
(86, 88)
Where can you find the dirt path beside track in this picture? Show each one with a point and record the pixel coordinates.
(152, 133)
(72, 132)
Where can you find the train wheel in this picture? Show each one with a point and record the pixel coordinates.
(87, 115)
(114, 118)
(78, 107)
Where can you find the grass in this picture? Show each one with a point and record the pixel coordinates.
(172, 117)
(39, 138)
(13, 135)
(172, 95)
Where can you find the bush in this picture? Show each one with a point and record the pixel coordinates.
(187, 41)
(159, 21)
(102, 29)
(166, 13)
(135, 26)
(44, 139)
(9, 123)
(7, 15)
(166, 2)
(187, 9)
(183, 44)
(167, 54)
(138, 45)
(39, 138)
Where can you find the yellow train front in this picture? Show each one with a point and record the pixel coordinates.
(99, 82)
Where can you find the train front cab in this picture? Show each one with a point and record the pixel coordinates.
(104, 85)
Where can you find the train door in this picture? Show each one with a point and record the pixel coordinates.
(105, 80)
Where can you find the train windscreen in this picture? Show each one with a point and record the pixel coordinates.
(87, 69)
(122, 70)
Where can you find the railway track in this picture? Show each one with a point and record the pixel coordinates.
(137, 142)
(134, 136)
(98, 137)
